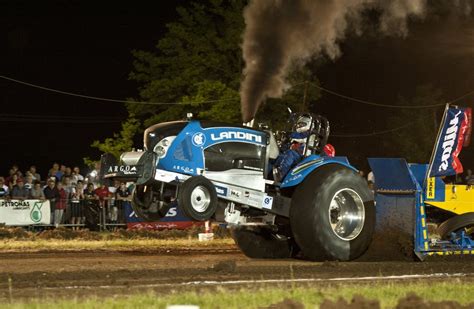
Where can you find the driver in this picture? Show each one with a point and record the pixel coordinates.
(289, 158)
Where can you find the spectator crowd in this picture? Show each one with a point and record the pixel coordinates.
(69, 193)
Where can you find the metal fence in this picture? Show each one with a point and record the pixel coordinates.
(93, 214)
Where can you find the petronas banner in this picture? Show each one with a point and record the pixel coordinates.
(24, 212)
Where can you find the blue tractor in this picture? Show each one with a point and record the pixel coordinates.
(321, 209)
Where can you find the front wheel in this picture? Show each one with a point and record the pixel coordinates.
(332, 214)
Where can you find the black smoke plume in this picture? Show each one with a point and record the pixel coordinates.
(280, 32)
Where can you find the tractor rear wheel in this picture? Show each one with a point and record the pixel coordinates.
(332, 214)
(262, 243)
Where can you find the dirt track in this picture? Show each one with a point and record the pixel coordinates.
(106, 274)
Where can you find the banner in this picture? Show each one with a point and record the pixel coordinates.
(24, 212)
(453, 133)
(174, 219)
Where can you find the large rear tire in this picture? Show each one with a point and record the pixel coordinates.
(262, 243)
(332, 214)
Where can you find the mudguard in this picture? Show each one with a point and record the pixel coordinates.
(296, 175)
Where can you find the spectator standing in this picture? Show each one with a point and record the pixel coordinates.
(122, 195)
(52, 194)
(60, 173)
(60, 205)
(33, 172)
(54, 170)
(19, 191)
(77, 200)
(4, 190)
(76, 175)
(113, 203)
(12, 181)
(70, 189)
(29, 181)
(37, 193)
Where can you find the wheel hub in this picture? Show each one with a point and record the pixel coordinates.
(346, 214)
(200, 199)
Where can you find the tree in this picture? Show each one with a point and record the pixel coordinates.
(120, 142)
(418, 127)
(200, 52)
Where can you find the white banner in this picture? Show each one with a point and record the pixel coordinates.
(24, 212)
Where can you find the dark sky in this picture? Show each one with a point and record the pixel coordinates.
(87, 49)
(72, 47)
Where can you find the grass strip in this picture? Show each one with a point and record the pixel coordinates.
(387, 293)
(9, 245)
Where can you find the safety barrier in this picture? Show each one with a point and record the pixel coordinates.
(93, 214)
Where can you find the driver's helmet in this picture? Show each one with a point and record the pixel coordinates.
(303, 124)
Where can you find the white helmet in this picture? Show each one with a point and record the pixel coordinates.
(303, 124)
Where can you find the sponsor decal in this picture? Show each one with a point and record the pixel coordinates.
(125, 169)
(235, 193)
(198, 139)
(454, 131)
(305, 166)
(430, 188)
(221, 191)
(15, 204)
(225, 135)
(267, 202)
(185, 169)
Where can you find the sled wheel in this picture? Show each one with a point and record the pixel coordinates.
(332, 214)
(262, 243)
(455, 223)
(198, 198)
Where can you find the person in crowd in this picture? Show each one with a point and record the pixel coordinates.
(37, 192)
(123, 194)
(4, 190)
(113, 205)
(67, 171)
(76, 175)
(77, 200)
(60, 173)
(19, 191)
(60, 204)
(52, 194)
(54, 171)
(33, 172)
(29, 181)
(13, 181)
(70, 189)
(103, 194)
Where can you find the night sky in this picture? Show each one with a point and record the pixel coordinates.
(87, 49)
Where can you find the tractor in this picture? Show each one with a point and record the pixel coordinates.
(322, 209)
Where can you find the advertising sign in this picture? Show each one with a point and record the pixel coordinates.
(24, 212)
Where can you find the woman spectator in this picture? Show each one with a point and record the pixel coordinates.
(37, 192)
(76, 175)
(60, 205)
(77, 200)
